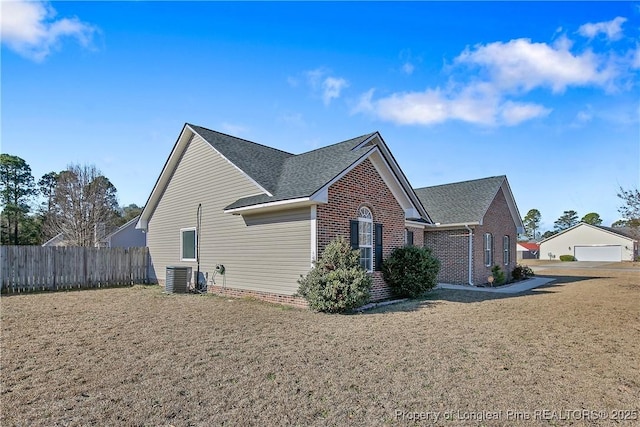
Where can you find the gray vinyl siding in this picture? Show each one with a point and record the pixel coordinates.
(127, 237)
(263, 252)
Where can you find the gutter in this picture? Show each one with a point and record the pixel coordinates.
(470, 254)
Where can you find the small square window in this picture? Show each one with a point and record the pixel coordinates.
(188, 244)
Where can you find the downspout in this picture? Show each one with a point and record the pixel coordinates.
(470, 254)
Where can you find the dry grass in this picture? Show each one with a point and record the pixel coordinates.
(135, 356)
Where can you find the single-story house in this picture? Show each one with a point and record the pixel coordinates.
(475, 226)
(125, 236)
(265, 215)
(588, 242)
(528, 250)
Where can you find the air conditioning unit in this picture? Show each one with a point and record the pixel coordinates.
(177, 279)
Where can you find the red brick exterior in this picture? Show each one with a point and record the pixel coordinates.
(363, 186)
(264, 296)
(451, 247)
(499, 222)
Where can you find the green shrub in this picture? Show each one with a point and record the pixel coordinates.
(410, 271)
(567, 258)
(521, 272)
(336, 283)
(498, 275)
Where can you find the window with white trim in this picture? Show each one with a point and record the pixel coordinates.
(365, 238)
(188, 244)
(488, 249)
(506, 244)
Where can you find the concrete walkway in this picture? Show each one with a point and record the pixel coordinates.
(515, 288)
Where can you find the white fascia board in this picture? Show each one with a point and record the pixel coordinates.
(513, 207)
(391, 180)
(269, 206)
(434, 227)
(414, 224)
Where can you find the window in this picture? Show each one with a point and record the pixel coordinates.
(408, 237)
(507, 249)
(365, 238)
(188, 244)
(488, 249)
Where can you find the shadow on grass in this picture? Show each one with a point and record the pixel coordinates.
(438, 296)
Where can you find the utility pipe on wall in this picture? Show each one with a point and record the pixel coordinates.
(470, 254)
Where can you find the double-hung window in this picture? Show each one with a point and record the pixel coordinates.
(365, 238)
(488, 249)
(506, 245)
(188, 244)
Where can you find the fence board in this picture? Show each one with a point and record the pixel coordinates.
(34, 268)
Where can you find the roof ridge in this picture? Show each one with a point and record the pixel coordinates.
(337, 143)
(461, 182)
(241, 139)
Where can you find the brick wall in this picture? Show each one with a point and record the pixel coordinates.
(451, 247)
(362, 186)
(418, 236)
(498, 222)
(264, 296)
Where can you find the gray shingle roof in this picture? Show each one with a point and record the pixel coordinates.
(622, 231)
(460, 202)
(261, 163)
(284, 175)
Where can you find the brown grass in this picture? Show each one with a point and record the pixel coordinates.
(136, 356)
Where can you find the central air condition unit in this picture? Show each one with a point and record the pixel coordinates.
(177, 279)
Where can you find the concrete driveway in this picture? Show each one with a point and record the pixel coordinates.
(541, 265)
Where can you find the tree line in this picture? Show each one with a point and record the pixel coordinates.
(79, 202)
(630, 211)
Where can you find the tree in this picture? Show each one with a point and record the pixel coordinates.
(548, 234)
(128, 213)
(621, 223)
(567, 219)
(592, 218)
(630, 210)
(46, 188)
(84, 205)
(16, 190)
(532, 223)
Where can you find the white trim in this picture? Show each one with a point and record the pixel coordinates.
(302, 201)
(314, 233)
(195, 243)
(506, 251)
(414, 224)
(487, 245)
(367, 218)
(439, 226)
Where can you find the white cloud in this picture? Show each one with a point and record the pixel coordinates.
(611, 29)
(408, 68)
(522, 65)
(635, 60)
(329, 86)
(476, 103)
(30, 28)
(234, 129)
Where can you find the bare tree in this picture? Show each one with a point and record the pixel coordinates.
(84, 204)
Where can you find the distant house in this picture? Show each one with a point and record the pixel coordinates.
(475, 226)
(266, 215)
(528, 250)
(125, 236)
(588, 242)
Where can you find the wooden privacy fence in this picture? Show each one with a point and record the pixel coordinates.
(36, 268)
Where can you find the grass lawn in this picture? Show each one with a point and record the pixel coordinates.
(136, 356)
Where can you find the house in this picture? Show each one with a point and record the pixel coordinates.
(265, 214)
(588, 242)
(125, 236)
(475, 226)
(528, 250)
(252, 219)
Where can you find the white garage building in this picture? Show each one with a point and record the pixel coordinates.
(591, 243)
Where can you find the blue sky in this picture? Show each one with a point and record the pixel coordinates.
(546, 93)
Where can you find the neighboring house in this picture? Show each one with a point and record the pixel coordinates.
(528, 250)
(57, 240)
(266, 214)
(476, 224)
(125, 236)
(588, 242)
